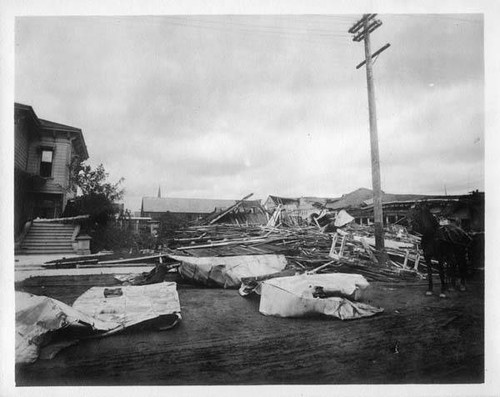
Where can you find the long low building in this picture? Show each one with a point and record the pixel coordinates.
(466, 210)
(194, 209)
(189, 209)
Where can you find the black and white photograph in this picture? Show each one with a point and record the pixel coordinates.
(270, 198)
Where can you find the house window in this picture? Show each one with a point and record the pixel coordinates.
(46, 163)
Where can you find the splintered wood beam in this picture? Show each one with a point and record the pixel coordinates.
(320, 267)
(369, 250)
(232, 208)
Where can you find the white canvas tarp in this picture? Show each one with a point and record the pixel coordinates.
(227, 271)
(303, 295)
(43, 322)
(133, 304)
(342, 218)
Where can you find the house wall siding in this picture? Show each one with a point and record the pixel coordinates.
(21, 147)
(58, 182)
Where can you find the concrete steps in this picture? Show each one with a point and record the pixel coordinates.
(48, 238)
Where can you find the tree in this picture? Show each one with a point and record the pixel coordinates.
(169, 224)
(93, 182)
(97, 196)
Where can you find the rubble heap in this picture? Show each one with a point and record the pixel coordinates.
(349, 249)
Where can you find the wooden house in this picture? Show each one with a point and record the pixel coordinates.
(299, 209)
(44, 153)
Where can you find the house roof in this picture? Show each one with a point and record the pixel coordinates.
(57, 126)
(283, 200)
(353, 199)
(399, 198)
(317, 201)
(184, 205)
(79, 141)
(362, 198)
(29, 110)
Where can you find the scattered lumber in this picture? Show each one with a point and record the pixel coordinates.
(307, 248)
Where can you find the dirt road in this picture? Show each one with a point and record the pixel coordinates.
(224, 340)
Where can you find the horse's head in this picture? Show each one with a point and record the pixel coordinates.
(421, 220)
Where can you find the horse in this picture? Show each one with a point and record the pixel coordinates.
(447, 244)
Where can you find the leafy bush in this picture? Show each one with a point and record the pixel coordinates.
(112, 237)
(169, 224)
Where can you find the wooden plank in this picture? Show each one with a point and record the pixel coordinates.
(368, 250)
(230, 209)
(130, 260)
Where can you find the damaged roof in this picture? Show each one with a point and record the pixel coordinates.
(283, 200)
(355, 198)
(300, 201)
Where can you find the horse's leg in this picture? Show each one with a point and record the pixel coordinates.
(444, 288)
(452, 270)
(462, 267)
(429, 275)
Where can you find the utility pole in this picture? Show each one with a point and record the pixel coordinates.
(361, 30)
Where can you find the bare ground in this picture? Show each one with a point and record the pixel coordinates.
(224, 340)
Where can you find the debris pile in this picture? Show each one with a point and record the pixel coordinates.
(347, 249)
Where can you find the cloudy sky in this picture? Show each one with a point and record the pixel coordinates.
(223, 106)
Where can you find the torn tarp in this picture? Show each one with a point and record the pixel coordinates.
(251, 285)
(303, 295)
(227, 271)
(48, 324)
(342, 218)
(40, 320)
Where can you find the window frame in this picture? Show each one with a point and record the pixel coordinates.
(45, 171)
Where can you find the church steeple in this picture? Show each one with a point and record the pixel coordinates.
(159, 191)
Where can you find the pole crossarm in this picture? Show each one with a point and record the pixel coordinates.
(358, 25)
(370, 28)
(379, 51)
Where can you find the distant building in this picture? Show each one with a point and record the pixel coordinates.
(44, 153)
(247, 212)
(189, 209)
(466, 210)
(300, 209)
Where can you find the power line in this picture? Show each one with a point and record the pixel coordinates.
(259, 27)
(449, 17)
(304, 37)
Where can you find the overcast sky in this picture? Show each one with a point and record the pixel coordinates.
(223, 106)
